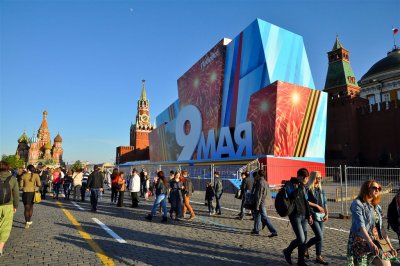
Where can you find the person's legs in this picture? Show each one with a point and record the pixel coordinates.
(120, 199)
(164, 206)
(317, 239)
(218, 207)
(265, 220)
(156, 203)
(94, 196)
(188, 207)
(297, 226)
(6, 211)
(257, 221)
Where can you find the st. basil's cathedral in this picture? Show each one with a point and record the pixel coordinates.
(38, 148)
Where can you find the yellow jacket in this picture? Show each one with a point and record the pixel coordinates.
(29, 182)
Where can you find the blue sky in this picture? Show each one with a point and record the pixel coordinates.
(83, 61)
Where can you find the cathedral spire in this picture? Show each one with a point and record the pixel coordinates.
(44, 121)
(143, 96)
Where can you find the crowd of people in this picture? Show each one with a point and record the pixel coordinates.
(368, 241)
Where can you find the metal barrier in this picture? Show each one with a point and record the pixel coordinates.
(341, 184)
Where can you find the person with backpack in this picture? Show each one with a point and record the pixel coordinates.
(368, 241)
(9, 199)
(30, 182)
(57, 181)
(218, 189)
(299, 216)
(187, 192)
(260, 192)
(319, 210)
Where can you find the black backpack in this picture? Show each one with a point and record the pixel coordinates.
(283, 201)
(5, 191)
(393, 215)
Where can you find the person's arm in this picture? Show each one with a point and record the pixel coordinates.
(15, 190)
(386, 237)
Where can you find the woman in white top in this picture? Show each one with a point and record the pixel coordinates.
(77, 183)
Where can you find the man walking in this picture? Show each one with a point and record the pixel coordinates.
(245, 187)
(95, 186)
(260, 212)
(218, 191)
(134, 188)
(299, 217)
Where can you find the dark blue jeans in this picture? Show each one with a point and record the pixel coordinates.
(318, 229)
(94, 197)
(260, 217)
(299, 226)
(218, 198)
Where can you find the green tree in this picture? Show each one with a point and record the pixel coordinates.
(13, 160)
(77, 165)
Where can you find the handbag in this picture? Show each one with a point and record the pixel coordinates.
(383, 245)
(250, 202)
(360, 246)
(37, 198)
(319, 216)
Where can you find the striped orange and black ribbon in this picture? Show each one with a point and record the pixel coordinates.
(306, 126)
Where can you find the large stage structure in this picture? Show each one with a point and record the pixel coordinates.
(247, 98)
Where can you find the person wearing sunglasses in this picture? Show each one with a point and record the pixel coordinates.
(368, 241)
(319, 210)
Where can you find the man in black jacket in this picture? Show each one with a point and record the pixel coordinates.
(95, 186)
(245, 187)
(218, 189)
(299, 217)
(260, 192)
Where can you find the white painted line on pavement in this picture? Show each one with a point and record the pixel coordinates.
(77, 205)
(109, 231)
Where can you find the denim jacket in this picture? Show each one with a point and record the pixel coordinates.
(363, 216)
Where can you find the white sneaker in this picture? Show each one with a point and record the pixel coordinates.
(30, 223)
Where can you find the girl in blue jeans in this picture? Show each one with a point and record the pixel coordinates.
(319, 210)
(161, 197)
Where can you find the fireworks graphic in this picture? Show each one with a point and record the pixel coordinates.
(202, 86)
(290, 111)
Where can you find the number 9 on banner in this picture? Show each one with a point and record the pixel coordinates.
(188, 130)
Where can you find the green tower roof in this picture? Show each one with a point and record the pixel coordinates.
(23, 138)
(338, 75)
(337, 44)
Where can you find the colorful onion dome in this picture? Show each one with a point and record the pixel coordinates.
(33, 139)
(58, 138)
(23, 139)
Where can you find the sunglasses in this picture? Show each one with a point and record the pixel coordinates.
(318, 178)
(376, 188)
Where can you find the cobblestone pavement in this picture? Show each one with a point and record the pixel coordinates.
(215, 240)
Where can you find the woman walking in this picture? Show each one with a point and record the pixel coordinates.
(175, 196)
(368, 238)
(30, 182)
(77, 183)
(56, 182)
(319, 211)
(114, 185)
(121, 189)
(8, 205)
(161, 197)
